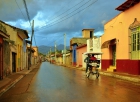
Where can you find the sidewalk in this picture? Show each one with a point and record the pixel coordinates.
(123, 76)
(12, 79)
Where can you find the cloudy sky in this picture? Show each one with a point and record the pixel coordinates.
(54, 18)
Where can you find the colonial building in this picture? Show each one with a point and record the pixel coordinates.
(75, 42)
(36, 56)
(59, 57)
(3, 36)
(15, 44)
(30, 57)
(21, 48)
(121, 40)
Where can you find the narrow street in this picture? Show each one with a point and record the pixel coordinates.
(51, 83)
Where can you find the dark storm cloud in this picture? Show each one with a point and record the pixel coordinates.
(53, 18)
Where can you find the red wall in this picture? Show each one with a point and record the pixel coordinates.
(105, 64)
(124, 66)
(129, 66)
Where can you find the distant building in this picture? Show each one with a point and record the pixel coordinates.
(77, 41)
(36, 56)
(80, 51)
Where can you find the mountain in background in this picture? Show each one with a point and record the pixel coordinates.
(45, 49)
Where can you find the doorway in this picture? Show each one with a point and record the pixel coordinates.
(13, 62)
(114, 55)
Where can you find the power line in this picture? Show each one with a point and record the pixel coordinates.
(20, 10)
(58, 21)
(64, 11)
(29, 19)
(27, 12)
(53, 17)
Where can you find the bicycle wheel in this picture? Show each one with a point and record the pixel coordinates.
(97, 74)
(88, 74)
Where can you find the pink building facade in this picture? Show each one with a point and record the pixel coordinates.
(80, 51)
(121, 40)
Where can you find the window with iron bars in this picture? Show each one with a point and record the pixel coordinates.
(135, 43)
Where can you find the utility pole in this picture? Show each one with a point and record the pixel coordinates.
(55, 51)
(65, 48)
(30, 55)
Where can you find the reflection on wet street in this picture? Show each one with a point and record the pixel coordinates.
(52, 83)
(58, 84)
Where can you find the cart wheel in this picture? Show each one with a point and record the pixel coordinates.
(97, 74)
(88, 74)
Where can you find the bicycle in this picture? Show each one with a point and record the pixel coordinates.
(94, 65)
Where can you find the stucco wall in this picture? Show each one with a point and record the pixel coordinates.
(80, 51)
(36, 51)
(86, 33)
(6, 59)
(118, 28)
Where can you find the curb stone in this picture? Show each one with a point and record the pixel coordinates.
(10, 85)
(132, 79)
(121, 77)
(18, 79)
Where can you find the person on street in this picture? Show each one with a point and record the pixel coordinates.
(86, 60)
(93, 58)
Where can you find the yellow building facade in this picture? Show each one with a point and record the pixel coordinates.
(35, 55)
(17, 55)
(11, 31)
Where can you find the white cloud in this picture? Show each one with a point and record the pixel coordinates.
(99, 33)
(43, 13)
(103, 22)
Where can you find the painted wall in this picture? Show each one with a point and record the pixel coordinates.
(36, 50)
(6, 59)
(60, 60)
(86, 33)
(94, 44)
(13, 37)
(24, 54)
(83, 63)
(20, 53)
(80, 52)
(118, 28)
(74, 54)
(68, 61)
(35, 54)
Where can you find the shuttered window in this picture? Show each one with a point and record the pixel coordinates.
(135, 43)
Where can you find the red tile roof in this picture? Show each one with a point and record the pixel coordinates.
(126, 5)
